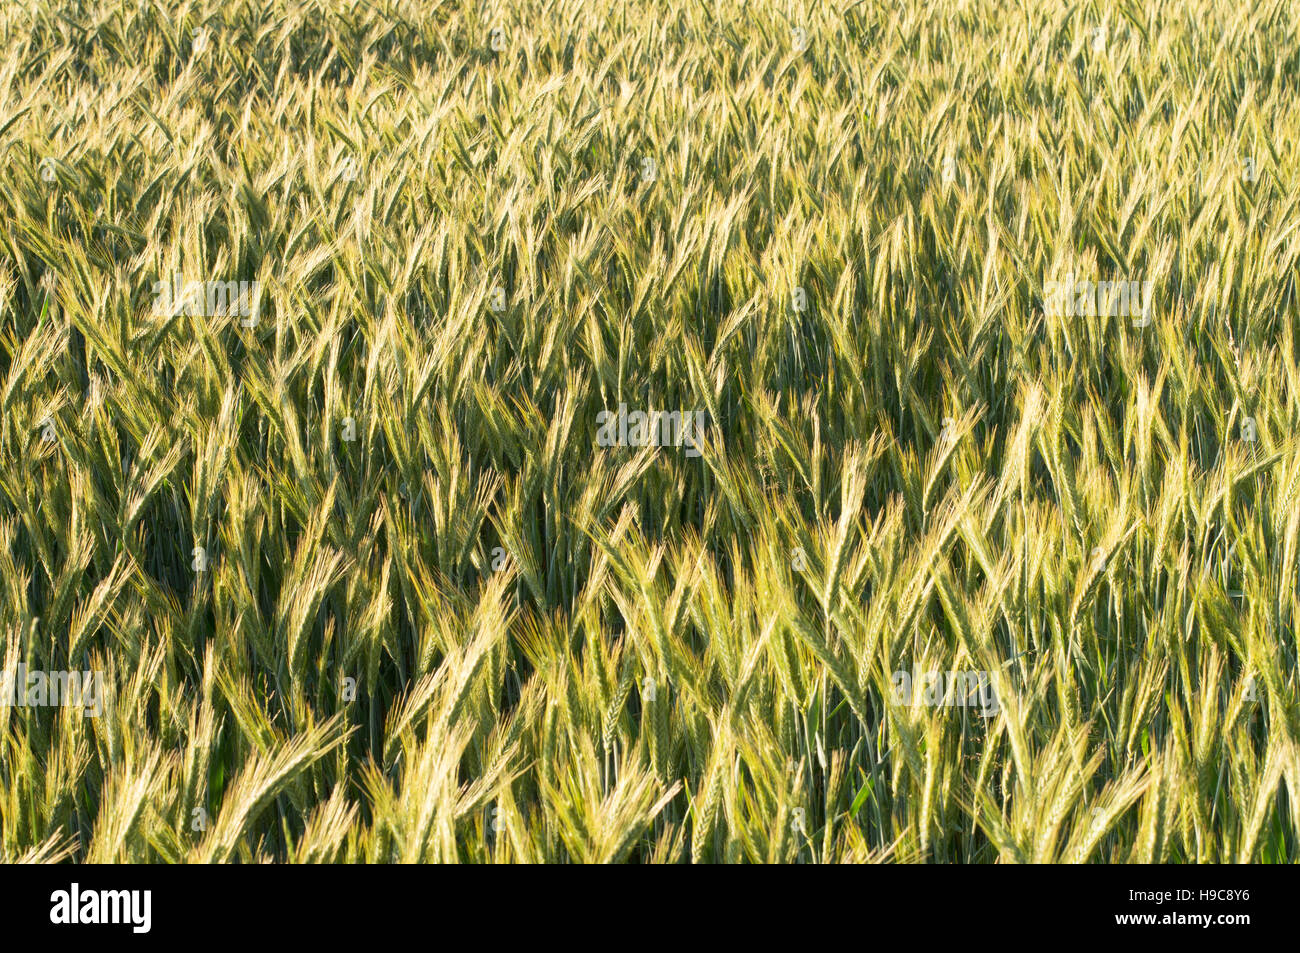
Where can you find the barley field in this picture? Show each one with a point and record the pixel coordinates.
(571, 431)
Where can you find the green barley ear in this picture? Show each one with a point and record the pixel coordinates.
(994, 365)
